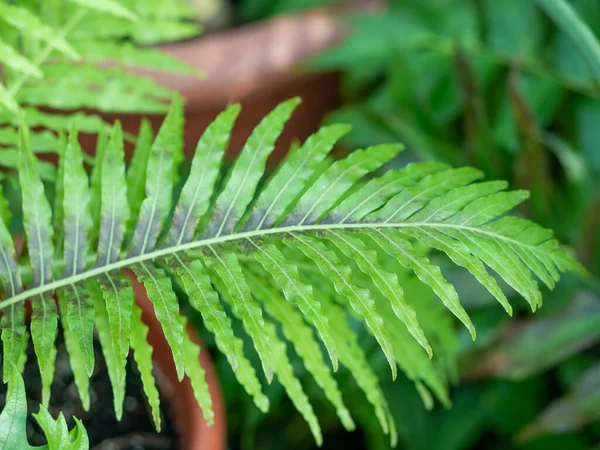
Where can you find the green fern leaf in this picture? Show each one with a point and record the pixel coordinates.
(196, 193)
(69, 87)
(153, 214)
(79, 363)
(285, 374)
(248, 170)
(84, 123)
(13, 59)
(301, 336)
(195, 373)
(236, 292)
(37, 217)
(57, 433)
(401, 249)
(13, 320)
(296, 292)
(7, 100)
(354, 358)
(417, 366)
(159, 185)
(107, 6)
(341, 277)
(387, 282)
(136, 172)
(292, 176)
(460, 255)
(203, 298)
(115, 290)
(130, 55)
(411, 200)
(96, 181)
(160, 292)
(114, 364)
(79, 313)
(336, 181)
(142, 353)
(23, 20)
(379, 190)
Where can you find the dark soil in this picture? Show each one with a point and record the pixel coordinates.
(134, 432)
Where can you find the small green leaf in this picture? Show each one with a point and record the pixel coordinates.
(115, 347)
(79, 364)
(355, 359)
(13, 320)
(412, 199)
(13, 419)
(57, 432)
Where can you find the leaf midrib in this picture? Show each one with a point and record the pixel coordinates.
(126, 262)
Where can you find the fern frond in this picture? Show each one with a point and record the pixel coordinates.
(25, 21)
(301, 336)
(195, 280)
(340, 275)
(235, 291)
(37, 220)
(11, 58)
(308, 245)
(296, 292)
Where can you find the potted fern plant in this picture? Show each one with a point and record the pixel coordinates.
(263, 249)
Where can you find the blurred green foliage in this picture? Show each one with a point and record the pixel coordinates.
(503, 86)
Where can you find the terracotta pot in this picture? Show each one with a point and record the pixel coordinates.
(256, 65)
(185, 413)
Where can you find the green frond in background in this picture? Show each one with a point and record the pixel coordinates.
(78, 54)
(315, 249)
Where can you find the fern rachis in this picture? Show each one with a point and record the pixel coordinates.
(252, 247)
